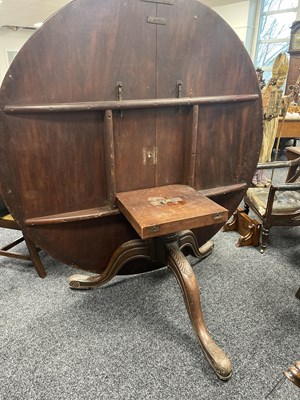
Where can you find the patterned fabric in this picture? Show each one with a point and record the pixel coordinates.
(7, 217)
(284, 202)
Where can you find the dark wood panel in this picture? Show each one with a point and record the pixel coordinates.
(48, 158)
(135, 149)
(172, 126)
(208, 58)
(228, 145)
(55, 138)
(198, 48)
(100, 44)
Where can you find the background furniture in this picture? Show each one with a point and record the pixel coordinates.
(8, 222)
(290, 130)
(294, 51)
(278, 205)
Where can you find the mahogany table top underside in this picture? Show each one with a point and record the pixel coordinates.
(112, 96)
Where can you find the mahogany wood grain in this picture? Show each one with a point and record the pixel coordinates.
(55, 132)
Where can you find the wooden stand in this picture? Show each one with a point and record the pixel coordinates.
(248, 228)
(157, 214)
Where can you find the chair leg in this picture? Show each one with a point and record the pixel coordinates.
(298, 294)
(264, 239)
(35, 258)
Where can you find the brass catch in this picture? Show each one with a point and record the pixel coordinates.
(154, 228)
(157, 20)
(150, 155)
(217, 215)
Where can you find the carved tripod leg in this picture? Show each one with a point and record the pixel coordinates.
(188, 283)
(188, 239)
(293, 373)
(129, 251)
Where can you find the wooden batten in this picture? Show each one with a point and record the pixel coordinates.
(73, 216)
(191, 146)
(128, 104)
(110, 158)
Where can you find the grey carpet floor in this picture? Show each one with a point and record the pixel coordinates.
(132, 338)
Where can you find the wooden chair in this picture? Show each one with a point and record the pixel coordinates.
(7, 221)
(278, 205)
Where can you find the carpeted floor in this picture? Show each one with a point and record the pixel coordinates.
(132, 338)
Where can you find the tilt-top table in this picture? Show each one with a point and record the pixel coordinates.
(129, 131)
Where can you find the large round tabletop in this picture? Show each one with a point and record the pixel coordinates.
(112, 96)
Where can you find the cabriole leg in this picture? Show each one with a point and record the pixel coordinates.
(129, 251)
(188, 239)
(188, 283)
(293, 373)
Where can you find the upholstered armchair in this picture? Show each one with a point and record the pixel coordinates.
(277, 205)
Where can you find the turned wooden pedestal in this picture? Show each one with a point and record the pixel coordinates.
(161, 216)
